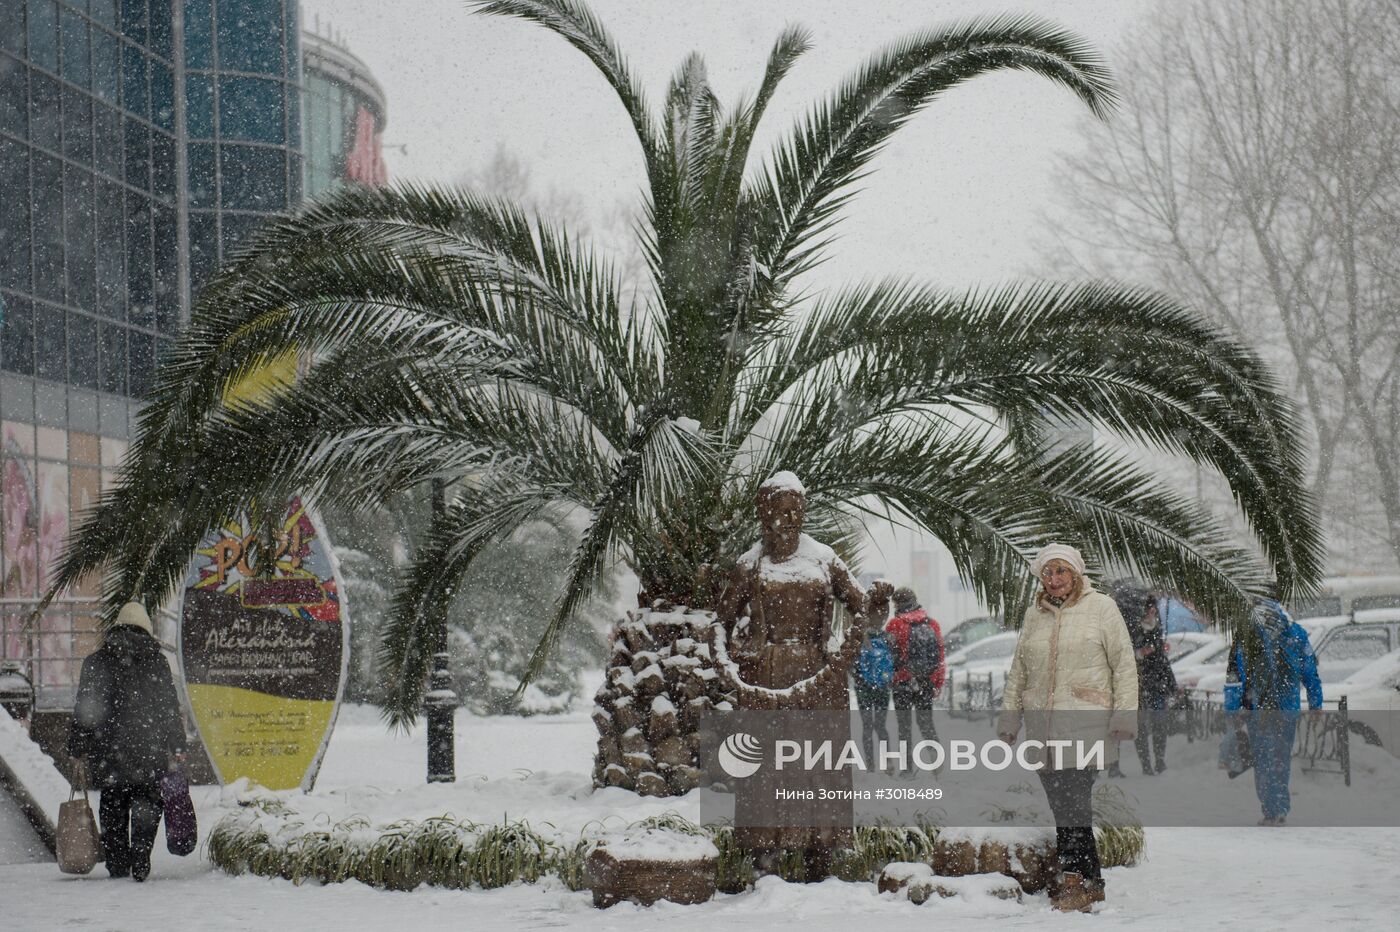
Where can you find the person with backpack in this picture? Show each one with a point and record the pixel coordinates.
(1271, 661)
(871, 678)
(918, 665)
(127, 726)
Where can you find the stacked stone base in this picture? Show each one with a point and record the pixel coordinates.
(660, 679)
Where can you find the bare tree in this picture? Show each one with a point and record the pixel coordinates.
(1254, 172)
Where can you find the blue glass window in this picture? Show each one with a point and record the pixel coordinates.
(12, 27)
(163, 167)
(143, 362)
(104, 11)
(111, 283)
(290, 30)
(250, 36)
(202, 177)
(112, 359)
(77, 126)
(237, 228)
(77, 237)
(251, 109)
(294, 179)
(17, 340)
(44, 110)
(82, 351)
(162, 38)
(139, 293)
(204, 248)
(14, 215)
(199, 34)
(48, 227)
(134, 21)
(14, 93)
(252, 179)
(43, 34)
(166, 268)
(294, 120)
(134, 82)
(77, 66)
(50, 343)
(138, 155)
(199, 106)
(105, 66)
(162, 96)
(107, 128)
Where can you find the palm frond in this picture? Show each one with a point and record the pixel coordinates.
(1087, 353)
(808, 179)
(577, 25)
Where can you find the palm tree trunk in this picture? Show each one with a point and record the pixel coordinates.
(441, 702)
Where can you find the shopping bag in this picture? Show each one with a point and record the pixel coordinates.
(77, 841)
(1235, 754)
(181, 830)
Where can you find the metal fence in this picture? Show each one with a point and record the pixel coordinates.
(969, 695)
(1322, 742)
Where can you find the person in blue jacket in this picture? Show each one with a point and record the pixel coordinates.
(871, 678)
(1271, 661)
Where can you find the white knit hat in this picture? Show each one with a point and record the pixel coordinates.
(1058, 552)
(134, 614)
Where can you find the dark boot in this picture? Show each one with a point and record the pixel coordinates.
(1076, 895)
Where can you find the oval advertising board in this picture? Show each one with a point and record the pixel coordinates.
(264, 658)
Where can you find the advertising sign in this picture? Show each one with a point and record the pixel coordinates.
(264, 657)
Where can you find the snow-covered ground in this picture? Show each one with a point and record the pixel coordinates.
(537, 769)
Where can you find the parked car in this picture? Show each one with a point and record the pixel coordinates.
(1185, 643)
(1343, 645)
(1373, 700)
(1206, 660)
(1343, 595)
(971, 630)
(969, 668)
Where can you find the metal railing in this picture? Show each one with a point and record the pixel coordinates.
(50, 652)
(1321, 742)
(969, 695)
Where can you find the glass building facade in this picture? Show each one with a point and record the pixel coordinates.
(140, 141)
(344, 119)
(242, 76)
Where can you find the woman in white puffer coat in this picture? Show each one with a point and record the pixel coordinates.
(1074, 655)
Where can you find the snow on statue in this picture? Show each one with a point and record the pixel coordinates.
(785, 654)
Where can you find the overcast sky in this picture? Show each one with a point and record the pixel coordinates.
(957, 198)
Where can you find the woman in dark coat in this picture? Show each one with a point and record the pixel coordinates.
(128, 732)
(1156, 680)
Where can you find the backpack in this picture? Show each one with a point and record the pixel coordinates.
(925, 654)
(876, 664)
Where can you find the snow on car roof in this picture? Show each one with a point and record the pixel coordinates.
(1375, 673)
(958, 656)
(1373, 615)
(1316, 627)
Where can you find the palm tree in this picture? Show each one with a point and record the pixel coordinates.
(452, 336)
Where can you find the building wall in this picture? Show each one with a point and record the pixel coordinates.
(96, 269)
(89, 280)
(344, 118)
(141, 141)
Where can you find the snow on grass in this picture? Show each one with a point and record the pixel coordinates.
(537, 769)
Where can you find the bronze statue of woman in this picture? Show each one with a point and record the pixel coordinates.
(778, 621)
